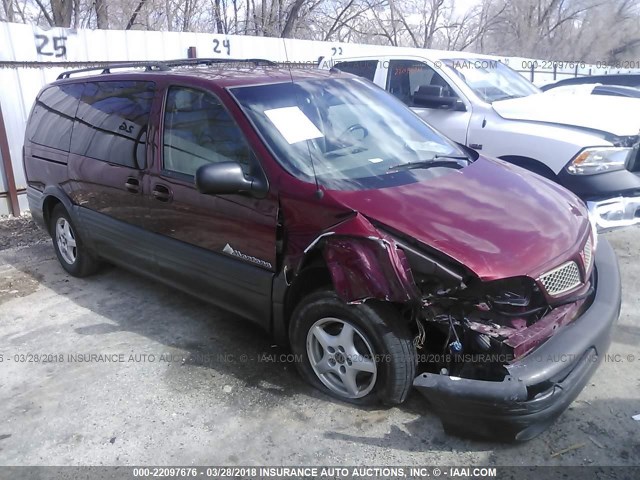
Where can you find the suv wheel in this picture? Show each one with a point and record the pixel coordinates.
(357, 353)
(71, 252)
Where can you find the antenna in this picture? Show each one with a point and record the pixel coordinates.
(319, 192)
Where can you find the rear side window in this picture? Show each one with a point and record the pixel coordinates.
(112, 122)
(199, 130)
(362, 68)
(51, 119)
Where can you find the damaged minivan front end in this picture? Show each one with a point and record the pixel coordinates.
(497, 359)
(503, 359)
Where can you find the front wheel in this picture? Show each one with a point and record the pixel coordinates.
(358, 353)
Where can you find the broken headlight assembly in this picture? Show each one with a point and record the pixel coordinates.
(465, 330)
(463, 324)
(468, 328)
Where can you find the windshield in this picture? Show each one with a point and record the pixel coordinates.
(348, 132)
(492, 80)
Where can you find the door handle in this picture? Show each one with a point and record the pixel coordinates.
(132, 185)
(161, 193)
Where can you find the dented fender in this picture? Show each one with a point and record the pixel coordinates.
(365, 265)
(366, 268)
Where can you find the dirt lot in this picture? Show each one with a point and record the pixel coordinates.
(191, 384)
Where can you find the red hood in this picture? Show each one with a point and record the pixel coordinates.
(496, 219)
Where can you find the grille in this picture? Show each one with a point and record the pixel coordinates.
(586, 254)
(562, 279)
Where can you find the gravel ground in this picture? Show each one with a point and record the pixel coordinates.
(193, 384)
(19, 232)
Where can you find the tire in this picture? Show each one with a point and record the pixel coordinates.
(378, 333)
(70, 249)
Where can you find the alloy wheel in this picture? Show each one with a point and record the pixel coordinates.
(66, 240)
(342, 357)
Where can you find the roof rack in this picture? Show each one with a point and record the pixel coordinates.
(165, 65)
(148, 66)
(213, 61)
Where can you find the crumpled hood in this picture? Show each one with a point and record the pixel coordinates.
(605, 113)
(496, 219)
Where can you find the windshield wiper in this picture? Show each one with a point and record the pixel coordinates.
(453, 157)
(436, 161)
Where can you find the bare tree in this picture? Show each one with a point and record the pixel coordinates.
(134, 15)
(217, 12)
(563, 29)
(62, 11)
(292, 18)
(102, 15)
(467, 30)
(587, 30)
(9, 13)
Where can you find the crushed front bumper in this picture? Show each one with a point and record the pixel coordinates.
(615, 212)
(539, 386)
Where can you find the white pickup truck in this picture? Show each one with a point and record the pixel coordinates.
(589, 144)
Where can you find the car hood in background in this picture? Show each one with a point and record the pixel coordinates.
(617, 115)
(595, 89)
(496, 219)
(582, 89)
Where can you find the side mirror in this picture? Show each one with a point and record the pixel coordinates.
(459, 106)
(435, 96)
(228, 178)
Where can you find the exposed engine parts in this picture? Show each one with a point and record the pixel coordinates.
(466, 329)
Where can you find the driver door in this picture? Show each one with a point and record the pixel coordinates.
(408, 80)
(221, 247)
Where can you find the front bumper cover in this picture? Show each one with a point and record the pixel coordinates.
(617, 212)
(613, 198)
(539, 386)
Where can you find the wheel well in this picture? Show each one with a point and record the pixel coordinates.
(531, 164)
(47, 208)
(314, 274)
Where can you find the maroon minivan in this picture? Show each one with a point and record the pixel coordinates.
(325, 211)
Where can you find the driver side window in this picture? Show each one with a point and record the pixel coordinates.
(199, 130)
(416, 83)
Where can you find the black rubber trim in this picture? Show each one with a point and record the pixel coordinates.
(51, 160)
(601, 185)
(36, 199)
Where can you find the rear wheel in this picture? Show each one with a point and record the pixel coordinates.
(358, 353)
(70, 249)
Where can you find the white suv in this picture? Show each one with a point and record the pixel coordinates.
(589, 144)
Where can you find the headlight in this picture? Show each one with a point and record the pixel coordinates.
(599, 160)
